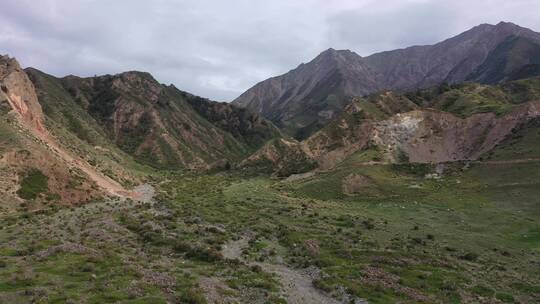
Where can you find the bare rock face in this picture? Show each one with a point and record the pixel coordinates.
(26, 147)
(435, 137)
(19, 92)
(305, 99)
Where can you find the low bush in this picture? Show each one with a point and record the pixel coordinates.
(33, 184)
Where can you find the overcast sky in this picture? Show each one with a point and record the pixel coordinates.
(220, 48)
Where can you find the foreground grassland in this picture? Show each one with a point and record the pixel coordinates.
(472, 236)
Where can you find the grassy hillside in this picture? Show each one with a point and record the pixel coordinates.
(524, 143)
(472, 229)
(67, 119)
(469, 236)
(470, 98)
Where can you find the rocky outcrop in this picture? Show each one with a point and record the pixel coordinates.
(425, 136)
(18, 91)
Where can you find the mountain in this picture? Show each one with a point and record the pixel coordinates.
(35, 164)
(158, 125)
(447, 123)
(316, 90)
(306, 98)
(514, 58)
(72, 139)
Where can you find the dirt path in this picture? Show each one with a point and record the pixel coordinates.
(297, 285)
(233, 249)
(144, 194)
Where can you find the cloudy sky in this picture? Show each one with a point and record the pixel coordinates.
(220, 48)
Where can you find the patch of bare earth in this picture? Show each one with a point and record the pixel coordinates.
(66, 248)
(216, 291)
(354, 183)
(297, 285)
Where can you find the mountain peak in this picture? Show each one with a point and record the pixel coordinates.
(335, 57)
(510, 27)
(507, 24)
(8, 64)
(333, 53)
(502, 28)
(327, 54)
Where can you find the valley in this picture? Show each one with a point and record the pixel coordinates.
(394, 178)
(467, 236)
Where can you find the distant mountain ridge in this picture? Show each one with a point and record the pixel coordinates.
(306, 98)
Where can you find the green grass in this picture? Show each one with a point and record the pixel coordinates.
(33, 184)
(470, 234)
(8, 136)
(523, 143)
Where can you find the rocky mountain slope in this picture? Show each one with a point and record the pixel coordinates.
(74, 139)
(34, 164)
(306, 98)
(157, 124)
(436, 125)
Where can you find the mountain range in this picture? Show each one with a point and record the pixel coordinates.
(457, 100)
(409, 176)
(305, 99)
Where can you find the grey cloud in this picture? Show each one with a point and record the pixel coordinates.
(218, 49)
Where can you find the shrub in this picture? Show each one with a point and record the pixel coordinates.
(469, 256)
(33, 184)
(192, 297)
(322, 285)
(181, 246)
(154, 238)
(507, 298)
(204, 254)
(482, 291)
(415, 169)
(368, 225)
